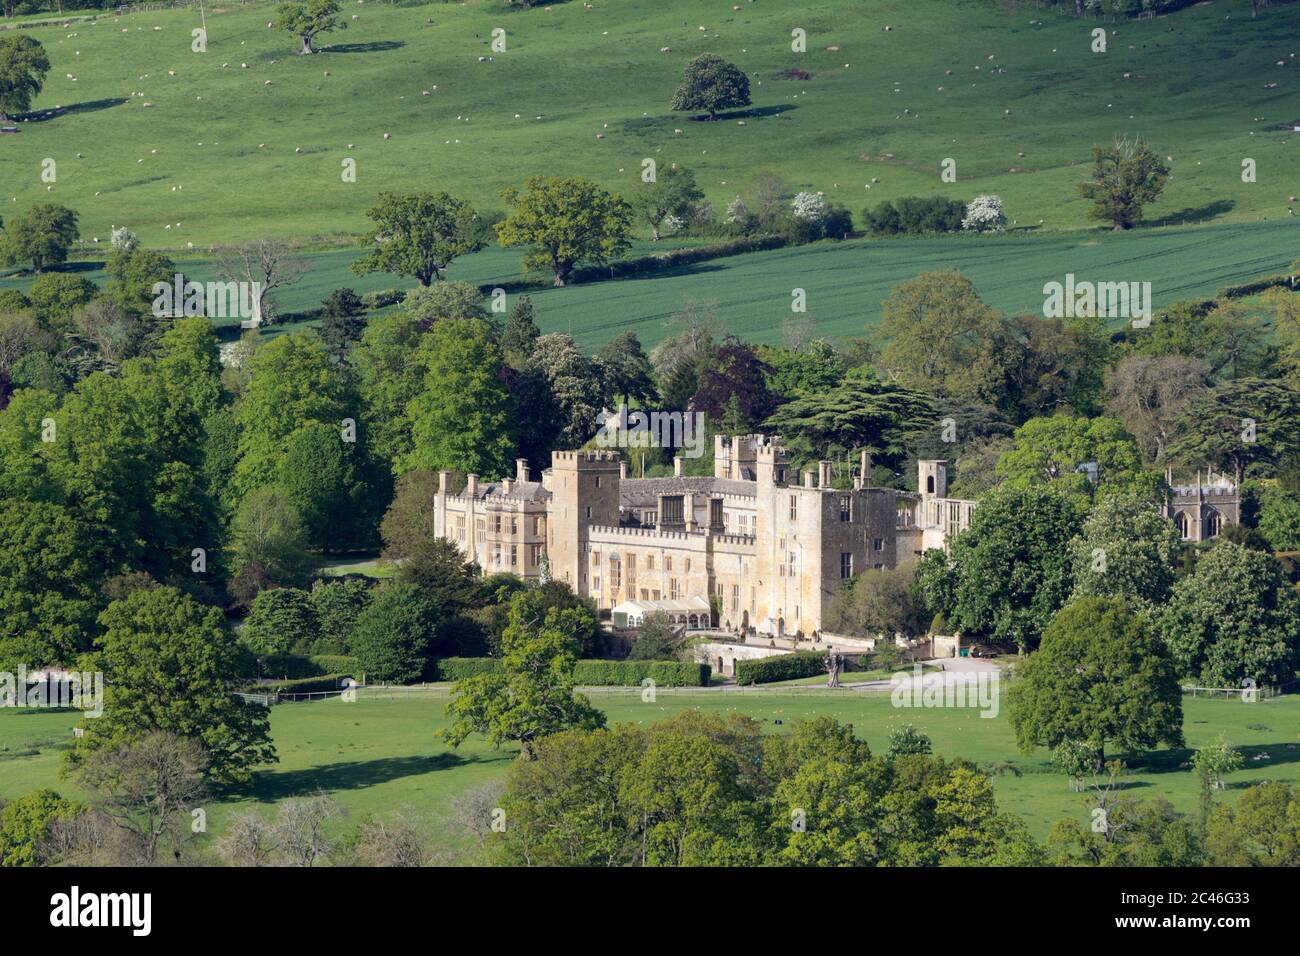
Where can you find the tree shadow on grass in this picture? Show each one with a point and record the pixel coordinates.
(271, 786)
(375, 46)
(758, 112)
(92, 106)
(1172, 761)
(1193, 214)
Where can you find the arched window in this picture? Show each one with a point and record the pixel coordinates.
(1183, 525)
(1213, 524)
(929, 484)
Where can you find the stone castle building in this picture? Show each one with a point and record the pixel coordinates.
(764, 547)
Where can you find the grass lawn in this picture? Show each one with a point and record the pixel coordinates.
(378, 756)
(248, 138)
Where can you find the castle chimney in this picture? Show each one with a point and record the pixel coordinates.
(521, 469)
(507, 484)
(442, 482)
(471, 485)
(622, 470)
(866, 468)
(823, 474)
(677, 466)
(808, 478)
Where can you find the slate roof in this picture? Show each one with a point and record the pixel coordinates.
(645, 492)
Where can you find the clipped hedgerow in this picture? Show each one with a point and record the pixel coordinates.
(632, 673)
(458, 668)
(767, 670)
(591, 673)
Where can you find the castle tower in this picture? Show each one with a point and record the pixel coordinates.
(585, 494)
(932, 478)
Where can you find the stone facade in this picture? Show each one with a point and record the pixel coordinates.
(1199, 511)
(768, 547)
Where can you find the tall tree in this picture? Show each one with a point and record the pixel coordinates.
(531, 695)
(566, 221)
(1235, 618)
(23, 66)
(1147, 393)
(294, 382)
(1125, 549)
(166, 660)
(1009, 570)
(625, 370)
(1126, 177)
(460, 418)
(42, 234)
(1238, 424)
(521, 334)
(711, 83)
(308, 19)
(418, 235)
(1100, 676)
(861, 412)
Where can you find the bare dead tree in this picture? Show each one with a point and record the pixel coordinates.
(301, 828)
(145, 787)
(267, 265)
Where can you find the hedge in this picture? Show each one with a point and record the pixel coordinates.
(592, 673)
(632, 673)
(766, 670)
(298, 666)
(458, 668)
(305, 685)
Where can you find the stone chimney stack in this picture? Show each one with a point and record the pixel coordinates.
(823, 474)
(442, 482)
(507, 485)
(677, 466)
(865, 467)
(521, 469)
(471, 486)
(808, 478)
(622, 470)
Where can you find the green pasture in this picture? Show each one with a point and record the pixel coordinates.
(381, 756)
(248, 138)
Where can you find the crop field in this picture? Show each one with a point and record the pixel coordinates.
(248, 138)
(378, 757)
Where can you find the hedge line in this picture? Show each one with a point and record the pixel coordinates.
(592, 673)
(298, 666)
(632, 673)
(458, 668)
(766, 670)
(305, 685)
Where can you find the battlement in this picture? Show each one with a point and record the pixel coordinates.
(586, 456)
(627, 531)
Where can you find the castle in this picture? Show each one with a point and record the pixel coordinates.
(762, 546)
(768, 548)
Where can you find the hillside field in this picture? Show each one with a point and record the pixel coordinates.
(845, 281)
(381, 756)
(248, 138)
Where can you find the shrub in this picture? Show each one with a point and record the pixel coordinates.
(915, 215)
(632, 673)
(458, 668)
(985, 214)
(767, 670)
(382, 298)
